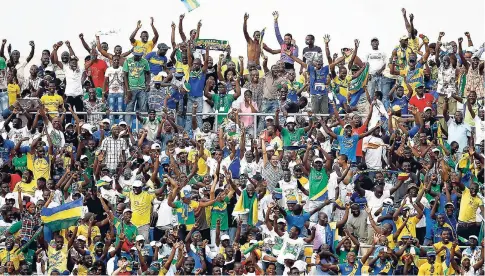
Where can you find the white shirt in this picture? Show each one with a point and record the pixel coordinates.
(479, 130)
(296, 247)
(115, 84)
(374, 202)
(458, 133)
(165, 215)
(16, 134)
(73, 81)
(207, 108)
(20, 67)
(57, 136)
(373, 157)
(376, 60)
(424, 201)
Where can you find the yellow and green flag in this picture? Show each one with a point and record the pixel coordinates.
(63, 216)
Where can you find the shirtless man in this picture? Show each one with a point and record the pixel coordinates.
(254, 48)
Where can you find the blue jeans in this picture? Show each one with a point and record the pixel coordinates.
(138, 102)
(116, 104)
(374, 84)
(190, 102)
(386, 86)
(269, 106)
(3, 100)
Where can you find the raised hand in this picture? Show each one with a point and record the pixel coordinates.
(441, 34)
(182, 16)
(467, 34)
(151, 21)
(31, 43)
(460, 39)
(411, 17)
(246, 16)
(4, 41)
(173, 25)
(356, 43)
(276, 15)
(81, 36)
(326, 38)
(403, 10)
(199, 24)
(68, 44)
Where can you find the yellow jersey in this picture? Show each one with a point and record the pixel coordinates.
(469, 206)
(14, 256)
(184, 67)
(141, 205)
(430, 269)
(28, 188)
(147, 47)
(202, 166)
(52, 103)
(442, 255)
(57, 258)
(413, 77)
(409, 229)
(13, 91)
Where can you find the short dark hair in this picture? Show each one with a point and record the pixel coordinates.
(312, 36)
(288, 34)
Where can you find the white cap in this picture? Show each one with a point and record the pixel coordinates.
(111, 249)
(281, 220)
(127, 210)
(318, 160)
(133, 249)
(270, 147)
(155, 146)
(253, 241)
(347, 125)
(225, 237)
(68, 125)
(83, 156)
(137, 183)
(146, 158)
(268, 118)
(289, 256)
(82, 238)
(106, 121)
(122, 123)
(140, 238)
(471, 49)
(10, 196)
(388, 201)
(152, 243)
(300, 265)
(106, 178)
(88, 127)
(426, 108)
(290, 120)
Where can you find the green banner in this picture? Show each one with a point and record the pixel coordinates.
(214, 44)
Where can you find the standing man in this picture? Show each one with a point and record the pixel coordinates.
(286, 44)
(136, 80)
(113, 149)
(147, 46)
(197, 82)
(254, 46)
(311, 52)
(96, 69)
(377, 63)
(157, 60)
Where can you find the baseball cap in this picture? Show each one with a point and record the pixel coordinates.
(82, 238)
(471, 49)
(88, 127)
(374, 38)
(106, 121)
(127, 210)
(138, 51)
(68, 125)
(473, 237)
(163, 46)
(281, 220)
(122, 123)
(10, 196)
(83, 157)
(268, 118)
(404, 37)
(137, 183)
(412, 185)
(396, 107)
(318, 160)
(290, 120)
(431, 253)
(106, 178)
(155, 146)
(426, 108)
(140, 238)
(289, 256)
(449, 203)
(269, 147)
(99, 244)
(179, 72)
(225, 237)
(165, 160)
(418, 85)
(347, 125)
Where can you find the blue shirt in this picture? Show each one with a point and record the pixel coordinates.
(318, 79)
(347, 269)
(175, 98)
(402, 102)
(297, 221)
(348, 146)
(380, 268)
(5, 149)
(386, 211)
(197, 83)
(443, 201)
(97, 134)
(156, 62)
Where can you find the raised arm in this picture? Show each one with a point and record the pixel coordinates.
(133, 34)
(277, 28)
(469, 38)
(172, 37)
(101, 50)
(32, 50)
(181, 28)
(84, 43)
(296, 59)
(354, 53)
(460, 53)
(245, 29)
(155, 32)
(406, 22)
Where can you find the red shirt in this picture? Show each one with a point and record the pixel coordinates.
(96, 71)
(425, 101)
(359, 130)
(14, 179)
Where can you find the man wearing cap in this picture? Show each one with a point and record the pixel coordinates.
(377, 63)
(113, 149)
(473, 251)
(421, 100)
(402, 53)
(136, 79)
(157, 60)
(145, 45)
(290, 134)
(73, 90)
(196, 80)
(399, 101)
(431, 267)
(150, 123)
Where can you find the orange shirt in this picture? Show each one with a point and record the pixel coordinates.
(359, 130)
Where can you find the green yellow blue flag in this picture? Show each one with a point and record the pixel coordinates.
(191, 4)
(63, 216)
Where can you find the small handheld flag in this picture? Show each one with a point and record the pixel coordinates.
(191, 4)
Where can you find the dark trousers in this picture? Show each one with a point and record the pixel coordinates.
(420, 234)
(465, 230)
(77, 104)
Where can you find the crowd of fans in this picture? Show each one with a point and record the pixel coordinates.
(360, 164)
